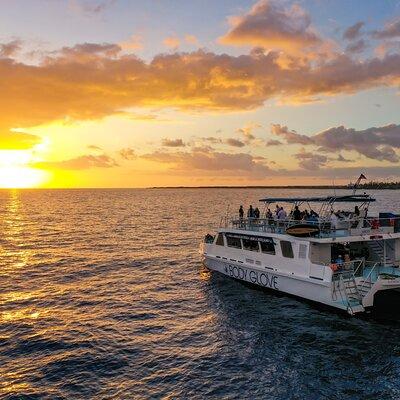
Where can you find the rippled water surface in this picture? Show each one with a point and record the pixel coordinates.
(103, 296)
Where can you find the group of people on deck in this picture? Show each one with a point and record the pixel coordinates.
(252, 213)
(355, 216)
(280, 214)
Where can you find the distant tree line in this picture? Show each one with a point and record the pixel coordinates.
(367, 185)
(379, 185)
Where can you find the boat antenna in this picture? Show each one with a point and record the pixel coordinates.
(361, 177)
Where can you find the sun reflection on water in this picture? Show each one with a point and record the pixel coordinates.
(18, 315)
(15, 233)
(204, 273)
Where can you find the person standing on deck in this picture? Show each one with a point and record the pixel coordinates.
(250, 212)
(256, 213)
(241, 212)
(313, 219)
(269, 217)
(296, 214)
(282, 214)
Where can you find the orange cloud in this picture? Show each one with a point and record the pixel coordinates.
(235, 142)
(10, 49)
(135, 42)
(206, 159)
(247, 132)
(173, 143)
(268, 24)
(191, 39)
(79, 163)
(377, 143)
(172, 42)
(127, 153)
(291, 137)
(93, 81)
(208, 162)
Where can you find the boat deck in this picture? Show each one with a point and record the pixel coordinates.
(325, 230)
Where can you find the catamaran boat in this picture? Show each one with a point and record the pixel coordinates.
(341, 259)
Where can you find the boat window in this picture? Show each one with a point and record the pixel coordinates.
(303, 251)
(250, 244)
(287, 250)
(220, 239)
(232, 241)
(267, 247)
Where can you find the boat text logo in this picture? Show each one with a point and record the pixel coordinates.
(259, 278)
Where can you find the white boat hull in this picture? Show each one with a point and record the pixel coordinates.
(314, 290)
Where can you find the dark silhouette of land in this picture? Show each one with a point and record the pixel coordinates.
(367, 186)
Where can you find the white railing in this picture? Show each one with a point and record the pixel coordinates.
(368, 278)
(325, 226)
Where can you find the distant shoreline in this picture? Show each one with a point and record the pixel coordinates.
(363, 187)
(368, 186)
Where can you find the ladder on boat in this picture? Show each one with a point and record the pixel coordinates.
(350, 287)
(364, 286)
(352, 293)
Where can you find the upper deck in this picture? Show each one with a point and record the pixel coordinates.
(332, 222)
(324, 231)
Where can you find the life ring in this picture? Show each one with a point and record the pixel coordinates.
(334, 267)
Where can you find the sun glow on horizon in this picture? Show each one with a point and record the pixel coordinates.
(15, 172)
(21, 177)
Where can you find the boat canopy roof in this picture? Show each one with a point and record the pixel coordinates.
(354, 198)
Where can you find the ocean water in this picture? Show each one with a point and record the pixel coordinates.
(103, 296)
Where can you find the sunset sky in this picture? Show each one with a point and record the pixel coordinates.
(126, 93)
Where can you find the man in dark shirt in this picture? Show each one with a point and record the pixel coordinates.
(241, 212)
(296, 214)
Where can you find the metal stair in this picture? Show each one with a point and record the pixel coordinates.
(353, 296)
(377, 248)
(364, 286)
(350, 288)
(346, 290)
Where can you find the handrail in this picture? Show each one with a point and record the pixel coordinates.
(341, 284)
(369, 276)
(348, 266)
(325, 226)
(361, 263)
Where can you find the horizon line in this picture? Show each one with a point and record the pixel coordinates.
(396, 184)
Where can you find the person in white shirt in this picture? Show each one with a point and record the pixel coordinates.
(282, 214)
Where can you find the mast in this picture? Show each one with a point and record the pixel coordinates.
(361, 177)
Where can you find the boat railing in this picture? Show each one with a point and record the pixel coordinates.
(367, 282)
(366, 270)
(326, 228)
(353, 267)
(268, 223)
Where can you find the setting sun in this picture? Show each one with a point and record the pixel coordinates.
(21, 177)
(15, 172)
